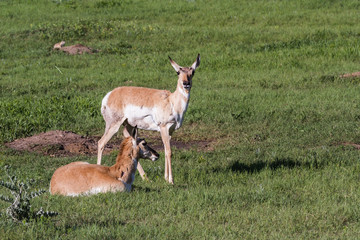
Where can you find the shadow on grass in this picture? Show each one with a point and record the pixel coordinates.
(260, 165)
(138, 188)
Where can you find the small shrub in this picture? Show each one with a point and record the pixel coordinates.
(20, 208)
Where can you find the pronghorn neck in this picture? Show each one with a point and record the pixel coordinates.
(125, 152)
(179, 103)
(180, 99)
(126, 161)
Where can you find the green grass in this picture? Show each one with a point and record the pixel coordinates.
(267, 94)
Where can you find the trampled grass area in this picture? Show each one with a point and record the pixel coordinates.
(267, 96)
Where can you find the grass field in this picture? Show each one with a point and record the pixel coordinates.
(267, 97)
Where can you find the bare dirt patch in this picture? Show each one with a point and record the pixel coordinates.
(355, 145)
(351, 75)
(65, 143)
(78, 49)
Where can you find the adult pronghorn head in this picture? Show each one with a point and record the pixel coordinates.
(185, 73)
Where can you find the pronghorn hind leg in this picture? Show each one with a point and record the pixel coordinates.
(165, 136)
(126, 132)
(110, 130)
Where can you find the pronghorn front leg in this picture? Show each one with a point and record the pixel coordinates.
(165, 136)
(142, 172)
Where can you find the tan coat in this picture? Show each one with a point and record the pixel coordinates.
(83, 178)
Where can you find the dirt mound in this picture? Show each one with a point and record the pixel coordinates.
(77, 49)
(351, 75)
(57, 143)
(357, 146)
(65, 143)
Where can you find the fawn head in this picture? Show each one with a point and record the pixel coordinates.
(141, 148)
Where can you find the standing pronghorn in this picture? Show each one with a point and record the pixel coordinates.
(149, 109)
(83, 178)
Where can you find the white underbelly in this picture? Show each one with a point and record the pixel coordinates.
(142, 117)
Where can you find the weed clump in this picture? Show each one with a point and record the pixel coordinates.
(20, 205)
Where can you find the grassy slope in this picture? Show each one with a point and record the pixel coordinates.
(267, 90)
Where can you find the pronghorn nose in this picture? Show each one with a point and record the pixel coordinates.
(187, 84)
(155, 157)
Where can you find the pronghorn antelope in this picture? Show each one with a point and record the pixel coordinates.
(79, 178)
(149, 109)
(59, 45)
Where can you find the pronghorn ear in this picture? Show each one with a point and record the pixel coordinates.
(175, 65)
(196, 63)
(134, 136)
(134, 132)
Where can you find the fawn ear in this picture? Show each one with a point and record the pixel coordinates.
(196, 63)
(134, 133)
(134, 136)
(175, 65)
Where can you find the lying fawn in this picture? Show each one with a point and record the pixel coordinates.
(79, 178)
